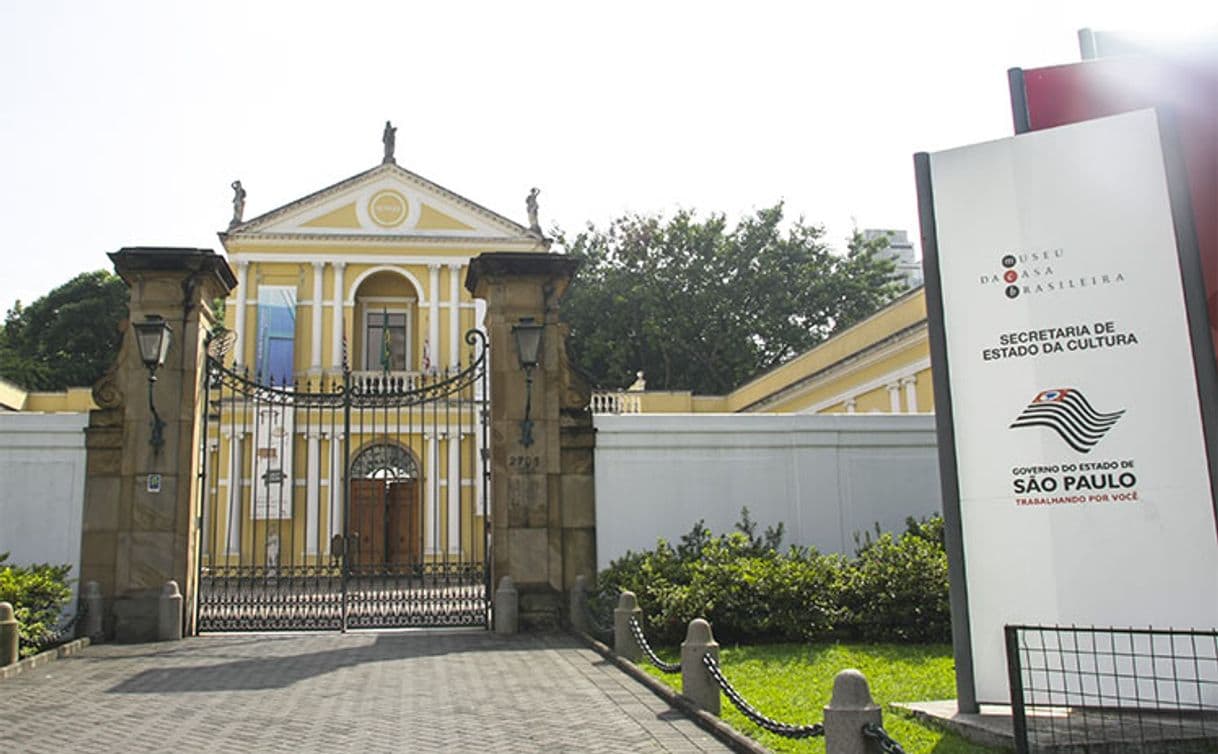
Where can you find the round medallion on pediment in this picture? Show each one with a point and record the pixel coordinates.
(387, 208)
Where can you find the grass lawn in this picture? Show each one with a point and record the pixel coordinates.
(792, 683)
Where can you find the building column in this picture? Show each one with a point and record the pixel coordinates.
(233, 524)
(242, 302)
(454, 492)
(431, 508)
(894, 397)
(911, 393)
(454, 317)
(851, 405)
(211, 467)
(338, 306)
(313, 492)
(433, 324)
(315, 344)
(337, 484)
(480, 457)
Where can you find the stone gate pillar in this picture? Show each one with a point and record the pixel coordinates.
(138, 534)
(543, 512)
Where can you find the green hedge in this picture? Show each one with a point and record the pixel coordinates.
(38, 594)
(893, 589)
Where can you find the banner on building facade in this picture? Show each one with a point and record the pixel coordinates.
(1074, 382)
(274, 487)
(275, 356)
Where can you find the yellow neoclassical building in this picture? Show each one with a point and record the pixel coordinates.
(384, 251)
(346, 411)
(879, 365)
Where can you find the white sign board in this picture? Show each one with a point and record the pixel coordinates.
(1084, 488)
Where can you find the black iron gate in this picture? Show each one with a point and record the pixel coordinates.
(354, 500)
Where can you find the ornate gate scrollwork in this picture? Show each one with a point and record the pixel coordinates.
(336, 502)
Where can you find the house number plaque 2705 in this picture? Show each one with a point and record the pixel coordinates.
(524, 463)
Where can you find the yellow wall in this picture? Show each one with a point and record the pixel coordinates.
(75, 400)
(904, 313)
(852, 371)
(12, 398)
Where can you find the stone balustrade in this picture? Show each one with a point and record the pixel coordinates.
(617, 402)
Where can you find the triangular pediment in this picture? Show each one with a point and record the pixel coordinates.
(387, 201)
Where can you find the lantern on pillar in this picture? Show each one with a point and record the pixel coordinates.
(152, 337)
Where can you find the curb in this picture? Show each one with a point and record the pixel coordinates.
(964, 726)
(42, 658)
(737, 741)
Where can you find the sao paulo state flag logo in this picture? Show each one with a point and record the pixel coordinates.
(1065, 411)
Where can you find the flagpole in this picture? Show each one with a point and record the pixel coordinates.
(386, 350)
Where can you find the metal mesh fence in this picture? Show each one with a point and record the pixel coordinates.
(1113, 689)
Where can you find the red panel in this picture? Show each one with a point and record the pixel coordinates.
(1072, 93)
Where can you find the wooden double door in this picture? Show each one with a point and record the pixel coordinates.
(385, 525)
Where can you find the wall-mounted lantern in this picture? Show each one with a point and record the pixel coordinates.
(152, 337)
(527, 333)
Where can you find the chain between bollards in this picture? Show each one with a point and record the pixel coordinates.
(877, 733)
(852, 723)
(785, 730)
(652, 657)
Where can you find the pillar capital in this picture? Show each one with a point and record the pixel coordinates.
(486, 269)
(134, 263)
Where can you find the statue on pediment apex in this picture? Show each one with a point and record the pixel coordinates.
(389, 139)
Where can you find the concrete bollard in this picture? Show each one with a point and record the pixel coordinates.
(850, 708)
(91, 603)
(9, 639)
(696, 681)
(507, 607)
(579, 605)
(624, 643)
(169, 618)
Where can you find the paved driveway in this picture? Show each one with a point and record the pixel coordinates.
(360, 692)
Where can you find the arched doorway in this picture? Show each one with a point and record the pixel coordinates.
(385, 524)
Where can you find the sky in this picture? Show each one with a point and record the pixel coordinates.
(124, 123)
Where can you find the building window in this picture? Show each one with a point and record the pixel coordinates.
(384, 461)
(385, 340)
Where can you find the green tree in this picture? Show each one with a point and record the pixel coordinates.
(700, 306)
(68, 337)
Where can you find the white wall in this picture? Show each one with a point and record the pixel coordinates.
(824, 476)
(42, 488)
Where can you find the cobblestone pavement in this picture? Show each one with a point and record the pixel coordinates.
(417, 691)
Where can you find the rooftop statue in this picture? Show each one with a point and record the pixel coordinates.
(388, 138)
(531, 206)
(238, 204)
